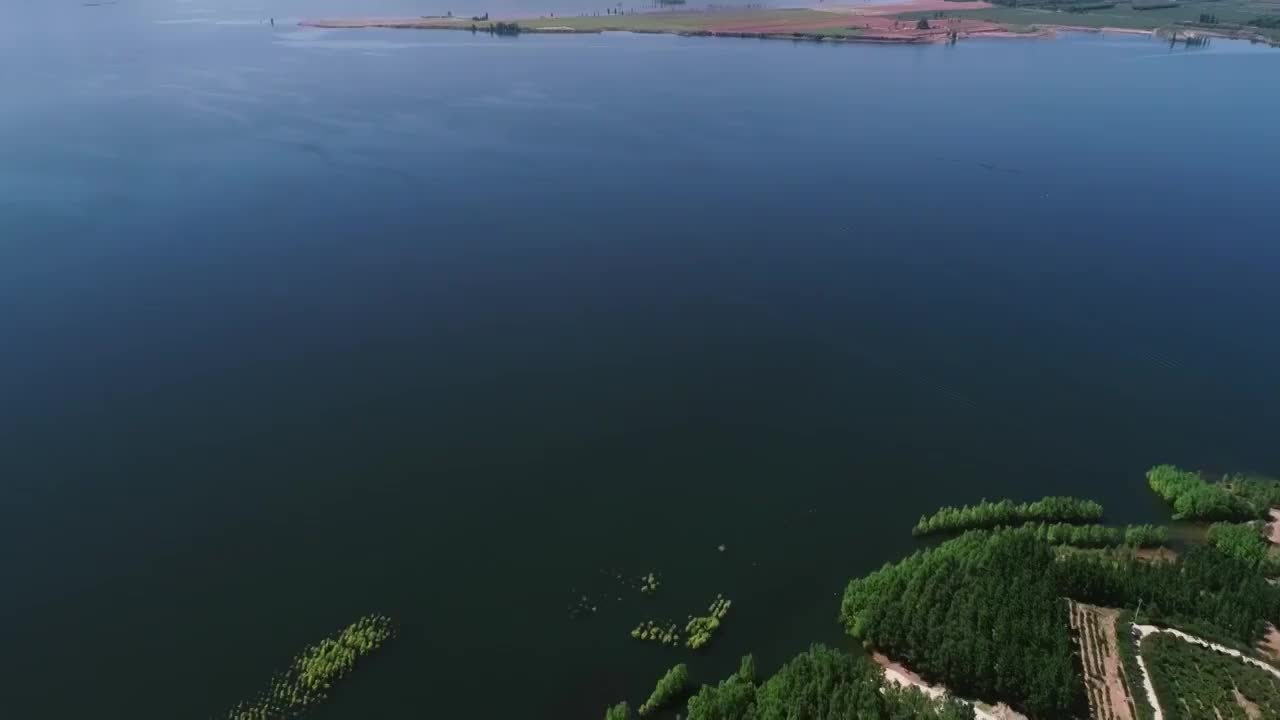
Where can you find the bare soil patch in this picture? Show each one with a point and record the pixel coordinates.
(1105, 681)
(1157, 554)
(914, 6)
(899, 675)
(1269, 646)
(1250, 708)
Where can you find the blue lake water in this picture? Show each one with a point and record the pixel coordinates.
(297, 325)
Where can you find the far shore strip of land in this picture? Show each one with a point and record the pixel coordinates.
(872, 24)
(905, 22)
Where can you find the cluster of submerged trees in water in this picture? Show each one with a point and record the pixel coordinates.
(698, 630)
(313, 671)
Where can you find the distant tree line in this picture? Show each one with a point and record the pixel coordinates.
(1269, 22)
(1068, 5)
(1006, 512)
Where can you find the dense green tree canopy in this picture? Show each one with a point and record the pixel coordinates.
(1097, 536)
(669, 687)
(980, 613)
(1206, 590)
(1006, 512)
(1244, 542)
(1193, 498)
(821, 684)
(1194, 682)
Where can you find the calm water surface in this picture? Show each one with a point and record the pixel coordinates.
(298, 325)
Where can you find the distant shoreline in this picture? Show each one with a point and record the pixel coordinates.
(910, 22)
(875, 24)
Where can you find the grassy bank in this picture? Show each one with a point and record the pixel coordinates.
(1125, 15)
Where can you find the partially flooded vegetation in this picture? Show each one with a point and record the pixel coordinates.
(313, 672)
(700, 629)
(987, 514)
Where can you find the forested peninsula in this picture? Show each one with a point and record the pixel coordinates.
(1037, 605)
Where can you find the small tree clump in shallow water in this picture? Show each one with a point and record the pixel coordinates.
(649, 584)
(653, 632)
(700, 629)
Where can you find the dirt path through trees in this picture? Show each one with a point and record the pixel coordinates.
(901, 676)
(1144, 630)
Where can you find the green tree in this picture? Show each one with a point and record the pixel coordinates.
(1244, 542)
(669, 686)
(980, 613)
(1193, 498)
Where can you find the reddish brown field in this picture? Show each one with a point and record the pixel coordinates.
(1104, 677)
(872, 26)
(917, 6)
